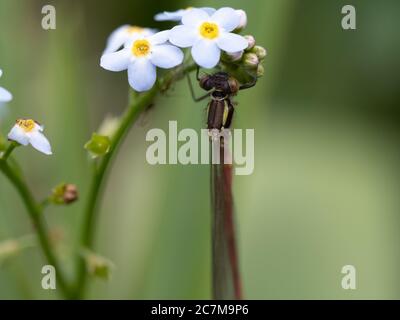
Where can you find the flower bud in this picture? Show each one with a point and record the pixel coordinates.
(64, 194)
(98, 266)
(243, 19)
(251, 41)
(70, 193)
(260, 52)
(233, 56)
(250, 60)
(98, 145)
(260, 70)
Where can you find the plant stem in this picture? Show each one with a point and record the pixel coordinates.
(8, 151)
(131, 114)
(36, 215)
(96, 185)
(226, 282)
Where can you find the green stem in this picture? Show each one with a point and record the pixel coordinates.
(39, 224)
(99, 172)
(8, 151)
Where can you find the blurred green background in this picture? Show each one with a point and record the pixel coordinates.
(325, 190)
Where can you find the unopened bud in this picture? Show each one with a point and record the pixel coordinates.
(70, 193)
(243, 19)
(64, 194)
(251, 42)
(260, 70)
(98, 266)
(98, 145)
(260, 52)
(250, 60)
(233, 56)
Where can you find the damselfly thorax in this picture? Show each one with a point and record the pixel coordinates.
(221, 88)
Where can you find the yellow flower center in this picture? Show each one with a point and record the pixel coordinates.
(134, 29)
(209, 30)
(141, 48)
(26, 124)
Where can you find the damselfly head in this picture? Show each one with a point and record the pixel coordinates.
(220, 81)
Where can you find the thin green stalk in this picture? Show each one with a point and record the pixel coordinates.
(99, 172)
(36, 215)
(8, 151)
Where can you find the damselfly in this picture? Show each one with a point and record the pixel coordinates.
(221, 88)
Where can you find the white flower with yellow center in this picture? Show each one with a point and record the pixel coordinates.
(124, 34)
(5, 95)
(28, 131)
(208, 35)
(141, 57)
(177, 15)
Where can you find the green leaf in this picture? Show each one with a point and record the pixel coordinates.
(98, 145)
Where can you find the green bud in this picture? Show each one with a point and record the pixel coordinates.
(260, 70)
(250, 60)
(98, 145)
(251, 42)
(260, 52)
(98, 266)
(64, 193)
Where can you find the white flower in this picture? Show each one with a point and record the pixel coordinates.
(124, 34)
(141, 57)
(208, 35)
(5, 95)
(28, 131)
(177, 15)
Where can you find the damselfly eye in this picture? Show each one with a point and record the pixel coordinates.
(233, 85)
(206, 83)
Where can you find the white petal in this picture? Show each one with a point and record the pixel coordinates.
(19, 135)
(40, 142)
(170, 16)
(159, 37)
(116, 61)
(1, 72)
(166, 56)
(183, 36)
(194, 17)
(206, 53)
(209, 10)
(142, 74)
(5, 96)
(242, 19)
(231, 42)
(117, 38)
(227, 18)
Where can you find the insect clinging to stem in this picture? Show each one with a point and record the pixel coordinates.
(221, 88)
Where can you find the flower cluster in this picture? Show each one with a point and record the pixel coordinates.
(209, 33)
